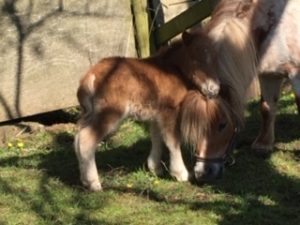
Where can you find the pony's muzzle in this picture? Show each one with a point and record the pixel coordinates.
(208, 171)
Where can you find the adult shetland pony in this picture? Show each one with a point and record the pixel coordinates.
(275, 30)
(273, 27)
(175, 90)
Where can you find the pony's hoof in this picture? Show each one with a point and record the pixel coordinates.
(155, 167)
(262, 151)
(92, 186)
(181, 176)
(158, 170)
(95, 186)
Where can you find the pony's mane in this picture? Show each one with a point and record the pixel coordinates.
(236, 54)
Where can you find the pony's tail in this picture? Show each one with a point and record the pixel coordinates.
(196, 117)
(85, 96)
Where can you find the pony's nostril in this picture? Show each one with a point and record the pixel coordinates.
(205, 173)
(208, 172)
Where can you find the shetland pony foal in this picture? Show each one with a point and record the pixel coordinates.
(154, 89)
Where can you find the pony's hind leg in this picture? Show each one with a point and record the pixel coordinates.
(86, 141)
(154, 158)
(270, 89)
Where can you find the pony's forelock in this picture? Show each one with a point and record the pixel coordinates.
(198, 115)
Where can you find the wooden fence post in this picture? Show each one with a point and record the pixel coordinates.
(188, 18)
(140, 13)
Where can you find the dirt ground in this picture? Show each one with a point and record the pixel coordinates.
(24, 129)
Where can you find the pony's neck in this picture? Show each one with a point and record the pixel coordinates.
(172, 58)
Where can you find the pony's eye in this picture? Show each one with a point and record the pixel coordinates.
(222, 126)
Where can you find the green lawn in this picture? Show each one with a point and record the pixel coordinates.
(39, 181)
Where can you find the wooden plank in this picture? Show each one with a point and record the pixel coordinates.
(195, 14)
(173, 8)
(46, 46)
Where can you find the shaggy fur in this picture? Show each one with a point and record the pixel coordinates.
(194, 127)
(236, 53)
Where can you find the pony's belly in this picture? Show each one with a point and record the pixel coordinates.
(142, 112)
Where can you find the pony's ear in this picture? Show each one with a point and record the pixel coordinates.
(186, 37)
(244, 8)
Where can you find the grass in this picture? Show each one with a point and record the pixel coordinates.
(39, 181)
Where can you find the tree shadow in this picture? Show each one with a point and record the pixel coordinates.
(25, 27)
(268, 195)
(45, 206)
(256, 193)
(60, 160)
(265, 195)
(59, 163)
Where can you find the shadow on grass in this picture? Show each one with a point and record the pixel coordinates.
(50, 204)
(265, 195)
(255, 191)
(255, 194)
(61, 164)
(287, 127)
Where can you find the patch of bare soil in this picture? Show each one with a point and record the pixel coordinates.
(24, 129)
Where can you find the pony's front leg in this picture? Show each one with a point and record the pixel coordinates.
(270, 90)
(154, 158)
(177, 167)
(85, 146)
